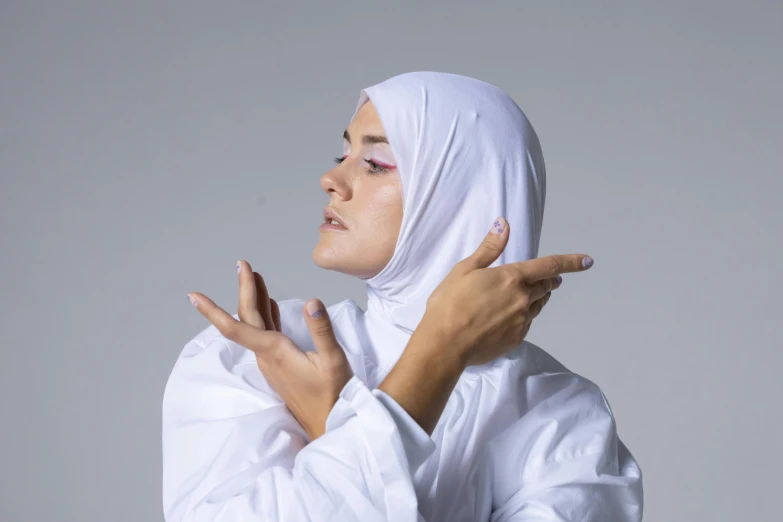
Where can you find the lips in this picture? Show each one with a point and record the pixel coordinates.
(330, 214)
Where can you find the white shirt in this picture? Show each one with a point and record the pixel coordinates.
(520, 439)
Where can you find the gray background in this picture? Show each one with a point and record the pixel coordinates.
(145, 147)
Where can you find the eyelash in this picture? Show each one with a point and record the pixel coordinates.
(374, 167)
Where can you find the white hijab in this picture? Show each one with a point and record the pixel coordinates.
(465, 154)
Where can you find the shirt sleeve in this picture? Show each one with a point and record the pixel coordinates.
(232, 451)
(562, 461)
(417, 443)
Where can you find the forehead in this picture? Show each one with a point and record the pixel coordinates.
(366, 121)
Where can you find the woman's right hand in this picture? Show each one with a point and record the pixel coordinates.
(483, 313)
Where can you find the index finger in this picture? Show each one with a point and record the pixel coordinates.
(549, 266)
(240, 332)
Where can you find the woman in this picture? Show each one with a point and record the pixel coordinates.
(429, 405)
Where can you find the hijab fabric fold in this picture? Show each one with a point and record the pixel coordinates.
(465, 153)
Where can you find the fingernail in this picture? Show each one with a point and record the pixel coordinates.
(315, 309)
(192, 300)
(239, 266)
(498, 226)
(587, 262)
(559, 280)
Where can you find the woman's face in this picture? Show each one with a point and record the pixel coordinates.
(365, 193)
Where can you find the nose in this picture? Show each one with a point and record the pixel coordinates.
(336, 183)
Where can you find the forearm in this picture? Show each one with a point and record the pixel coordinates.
(232, 451)
(425, 375)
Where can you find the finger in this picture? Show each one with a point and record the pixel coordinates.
(550, 266)
(537, 306)
(241, 333)
(490, 248)
(321, 330)
(262, 300)
(248, 307)
(538, 289)
(276, 315)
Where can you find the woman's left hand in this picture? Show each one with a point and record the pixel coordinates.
(308, 382)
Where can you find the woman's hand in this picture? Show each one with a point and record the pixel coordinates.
(308, 382)
(474, 316)
(486, 312)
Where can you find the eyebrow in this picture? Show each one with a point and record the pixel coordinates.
(367, 140)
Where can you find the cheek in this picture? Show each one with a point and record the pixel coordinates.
(381, 214)
(383, 206)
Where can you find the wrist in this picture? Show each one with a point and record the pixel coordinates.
(441, 342)
(422, 380)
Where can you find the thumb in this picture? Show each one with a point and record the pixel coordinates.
(491, 246)
(321, 330)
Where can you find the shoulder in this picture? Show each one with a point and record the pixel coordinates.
(553, 404)
(550, 384)
(560, 432)
(541, 395)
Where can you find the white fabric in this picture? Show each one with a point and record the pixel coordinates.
(521, 438)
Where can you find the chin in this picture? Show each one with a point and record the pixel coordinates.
(331, 259)
(328, 259)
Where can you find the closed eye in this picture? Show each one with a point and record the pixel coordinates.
(375, 167)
